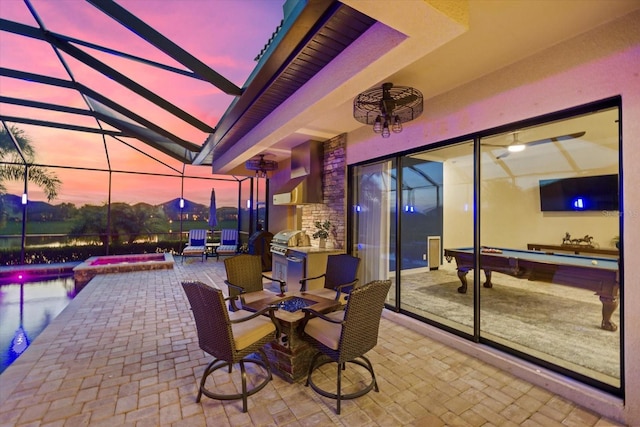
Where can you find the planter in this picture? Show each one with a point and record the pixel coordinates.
(322, 243)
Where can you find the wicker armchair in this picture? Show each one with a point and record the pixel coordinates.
(244, 279)
(230, 340)
(339, 278)
(345, 336)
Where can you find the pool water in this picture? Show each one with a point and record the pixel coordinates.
(26, 309)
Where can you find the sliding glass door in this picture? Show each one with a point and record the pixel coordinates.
(557, 193)
(508, 239)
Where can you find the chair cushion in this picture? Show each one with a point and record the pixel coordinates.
(329, 294)
(197, 242)
(247, 333)
(257, 295)
(239, 314)
(228, 242)
(326, 332)
(194, 250)
(226, 249)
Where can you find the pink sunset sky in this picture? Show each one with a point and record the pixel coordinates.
(224, 34)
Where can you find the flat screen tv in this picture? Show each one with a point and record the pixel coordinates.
(587, 193)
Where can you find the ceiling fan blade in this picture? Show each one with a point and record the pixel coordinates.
(503, 155)
(555, 139)
(406, 100)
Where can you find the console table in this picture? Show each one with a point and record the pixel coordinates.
(576, 249)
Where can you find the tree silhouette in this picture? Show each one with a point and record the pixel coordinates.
(127, 222)
(12, 165)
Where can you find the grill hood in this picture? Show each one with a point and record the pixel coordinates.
(305, 185)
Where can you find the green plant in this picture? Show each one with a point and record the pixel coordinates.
(322, 229)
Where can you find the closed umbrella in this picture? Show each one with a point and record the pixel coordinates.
(213, 220)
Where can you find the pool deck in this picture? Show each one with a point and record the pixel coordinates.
(125, 352)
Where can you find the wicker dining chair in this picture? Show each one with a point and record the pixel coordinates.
(339, 278)
(345, 336)
(244, 279)
(230, 340)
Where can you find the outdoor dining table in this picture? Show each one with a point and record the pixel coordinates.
(290, 355)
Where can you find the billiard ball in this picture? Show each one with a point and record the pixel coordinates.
(594, 262)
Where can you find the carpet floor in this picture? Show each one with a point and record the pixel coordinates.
(556, 323)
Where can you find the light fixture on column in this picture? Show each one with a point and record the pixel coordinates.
(386, 108)
(261, 166)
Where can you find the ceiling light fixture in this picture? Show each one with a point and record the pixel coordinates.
(387, 107)
(516, 145)
(261, 166)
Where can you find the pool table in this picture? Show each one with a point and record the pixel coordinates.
(596, 274)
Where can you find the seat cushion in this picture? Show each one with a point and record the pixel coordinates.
(194, 250)
(226, 249)
(247, 333)
(258, 295)
(326, 332)
(329, 294)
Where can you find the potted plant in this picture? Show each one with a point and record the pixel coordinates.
(322, 232)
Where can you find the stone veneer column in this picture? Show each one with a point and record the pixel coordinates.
(334, 182)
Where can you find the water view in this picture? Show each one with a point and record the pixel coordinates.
(25, 311)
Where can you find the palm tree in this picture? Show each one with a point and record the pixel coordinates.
(12, 165)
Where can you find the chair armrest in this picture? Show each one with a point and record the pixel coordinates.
(303, 281)
(268, 309)
(344, 285)
(234, 298)
(281, 282)
(240, 289)
(309, 313)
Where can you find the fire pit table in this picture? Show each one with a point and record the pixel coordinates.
(290, 355)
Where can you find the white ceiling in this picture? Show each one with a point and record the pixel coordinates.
(500, 32)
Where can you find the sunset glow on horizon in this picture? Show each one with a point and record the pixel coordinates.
(226, 35)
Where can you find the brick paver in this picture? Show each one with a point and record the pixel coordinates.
(125, 352)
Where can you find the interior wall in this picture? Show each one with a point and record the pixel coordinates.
(600, 64)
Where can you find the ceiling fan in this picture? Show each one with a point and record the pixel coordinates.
(261, 165)
(516, 145)
(387, 106)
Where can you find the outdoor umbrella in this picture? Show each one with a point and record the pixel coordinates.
(213, 220)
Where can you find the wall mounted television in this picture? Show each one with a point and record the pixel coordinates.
(587, 193)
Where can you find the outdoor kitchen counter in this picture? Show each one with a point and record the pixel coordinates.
(306, 250)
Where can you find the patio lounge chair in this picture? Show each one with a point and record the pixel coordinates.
(230, 341)
(228, 243)
(197, 244)
(345, 336)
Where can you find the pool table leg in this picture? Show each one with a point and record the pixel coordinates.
(609, 305)
(487, 283)
(462, 275)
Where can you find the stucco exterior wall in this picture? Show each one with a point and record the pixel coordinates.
(602, 63)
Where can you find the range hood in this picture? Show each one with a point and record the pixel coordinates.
(305, 185)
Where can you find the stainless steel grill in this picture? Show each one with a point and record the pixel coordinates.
(286, 264)
(286, 239)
